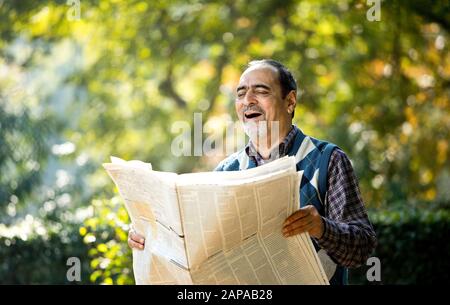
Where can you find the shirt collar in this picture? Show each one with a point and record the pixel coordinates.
(277, 152)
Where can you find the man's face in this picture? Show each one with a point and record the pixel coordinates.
(259, 102)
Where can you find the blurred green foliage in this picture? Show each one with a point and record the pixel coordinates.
(74, 92)
(106, 234)
(37, 259)
(413, 247)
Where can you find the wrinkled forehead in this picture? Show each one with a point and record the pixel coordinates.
(259, 73)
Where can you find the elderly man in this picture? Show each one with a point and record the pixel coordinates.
(331, 210)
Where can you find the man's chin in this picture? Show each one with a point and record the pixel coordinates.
(255, 129)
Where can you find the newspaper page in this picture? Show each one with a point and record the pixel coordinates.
(151, 200)
(230, 224)
(233, 231)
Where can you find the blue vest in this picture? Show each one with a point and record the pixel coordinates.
(312, 157)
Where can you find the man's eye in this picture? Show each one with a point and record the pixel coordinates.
(241, 94)
(262, 92)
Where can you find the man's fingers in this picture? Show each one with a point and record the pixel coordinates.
(138, 238)
(134, 244)
(296, 224)
(135, 240)
(303, 212)
(299, 230)
(298, 227)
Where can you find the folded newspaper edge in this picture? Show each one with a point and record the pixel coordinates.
(217, 227)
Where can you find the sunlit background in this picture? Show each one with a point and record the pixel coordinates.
(79, 83)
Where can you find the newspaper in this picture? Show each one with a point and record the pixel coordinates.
(216, 227)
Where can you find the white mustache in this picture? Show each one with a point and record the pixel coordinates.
(253, 108)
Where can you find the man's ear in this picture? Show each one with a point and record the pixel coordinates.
(291, 99)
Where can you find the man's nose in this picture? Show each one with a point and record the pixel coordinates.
(249, 98)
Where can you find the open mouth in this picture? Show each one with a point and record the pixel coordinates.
(252, 115)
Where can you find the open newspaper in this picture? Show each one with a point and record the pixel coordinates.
(216, 227)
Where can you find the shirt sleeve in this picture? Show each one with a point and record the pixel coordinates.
(348, 236)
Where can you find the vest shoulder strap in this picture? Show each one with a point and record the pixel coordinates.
(323, 171)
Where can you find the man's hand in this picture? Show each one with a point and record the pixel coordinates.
(135, 240)
(306, 219)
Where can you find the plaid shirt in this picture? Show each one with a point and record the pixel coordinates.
(348, 235)
(275, 153)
